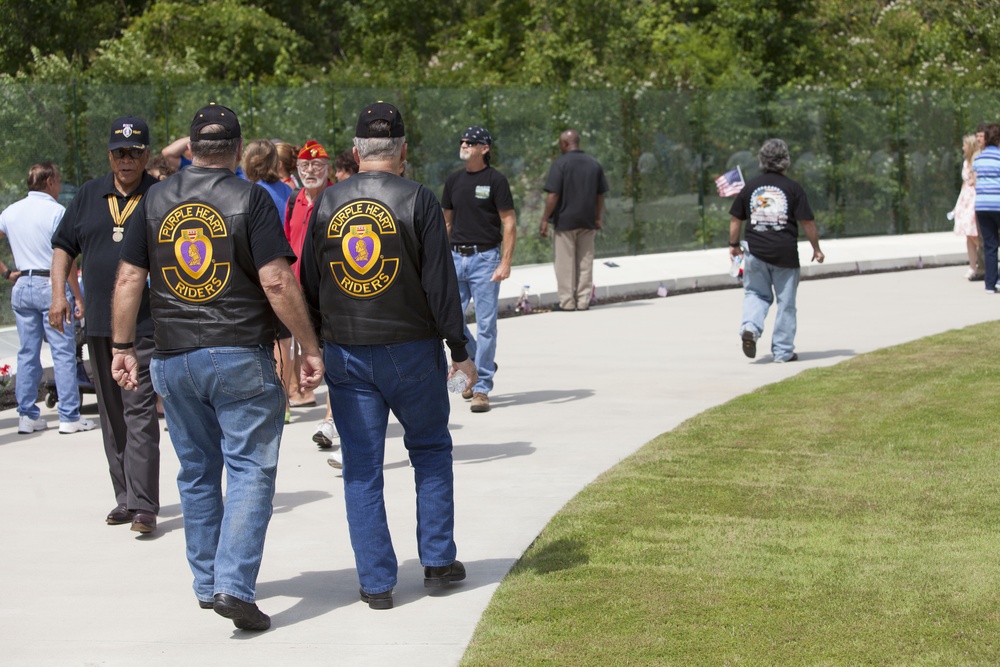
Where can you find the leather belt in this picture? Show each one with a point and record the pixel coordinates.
(471, 249)
(36, 272)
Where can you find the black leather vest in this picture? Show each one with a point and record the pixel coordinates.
(204, 287)
(369, 258)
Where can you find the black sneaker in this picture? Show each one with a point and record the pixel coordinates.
(749, 344)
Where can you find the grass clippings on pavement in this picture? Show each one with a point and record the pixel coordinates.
(845, 516)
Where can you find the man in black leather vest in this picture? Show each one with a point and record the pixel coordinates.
(214, 249)
(376, 264)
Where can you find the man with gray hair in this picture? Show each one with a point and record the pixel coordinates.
(377, 272)
(217, 259)
(773, 206)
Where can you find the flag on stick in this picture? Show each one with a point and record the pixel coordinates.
(730, 183)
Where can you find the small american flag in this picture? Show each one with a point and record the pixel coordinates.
(730, 183)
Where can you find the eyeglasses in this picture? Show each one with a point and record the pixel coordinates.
(130, 153)
(312, 165)
(466, 142)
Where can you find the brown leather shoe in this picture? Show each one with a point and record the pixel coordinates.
(480, 402)
(120, 515)
(467, 394)
(144, 522)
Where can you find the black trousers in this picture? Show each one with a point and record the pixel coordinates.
(130, 427)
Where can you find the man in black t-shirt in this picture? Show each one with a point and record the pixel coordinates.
(479, 212)
(94, 227)
(575, 204)
(213, 249)
(774, 205)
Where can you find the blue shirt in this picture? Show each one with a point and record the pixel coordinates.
(279, 193)
(987, 168)
(29, 225)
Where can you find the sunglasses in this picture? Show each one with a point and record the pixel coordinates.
(466, 142)
(130, 153)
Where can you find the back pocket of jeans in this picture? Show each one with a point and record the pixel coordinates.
(239, 372)
(415, 360)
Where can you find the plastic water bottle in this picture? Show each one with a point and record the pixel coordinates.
(736, 268)
(524, 301)
(457, 382)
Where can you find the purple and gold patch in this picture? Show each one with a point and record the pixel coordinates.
(359, 263)
(189, 242)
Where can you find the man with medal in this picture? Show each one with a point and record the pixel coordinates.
(94, 226)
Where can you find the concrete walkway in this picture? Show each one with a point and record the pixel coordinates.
(576, 393)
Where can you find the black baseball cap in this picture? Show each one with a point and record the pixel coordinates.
(380, 111)
(129, 132)
(215, 114)
(479, 135)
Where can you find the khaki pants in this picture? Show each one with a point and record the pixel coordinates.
(574, 264)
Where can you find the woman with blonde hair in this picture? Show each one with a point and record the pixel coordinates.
(262, 166)
(965, 208)
(287, 160)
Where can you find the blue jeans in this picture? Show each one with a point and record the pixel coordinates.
(225, 406)
(366, 382)
(31, 298)
(762, 282)
(474, 273)
(989, 227)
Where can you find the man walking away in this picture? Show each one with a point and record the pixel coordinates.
(214, 250)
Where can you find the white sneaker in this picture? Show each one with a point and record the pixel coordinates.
(29, 425)
(335, 461)
(325, 434)
(74, 427)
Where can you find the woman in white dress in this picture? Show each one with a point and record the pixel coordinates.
(965, 208)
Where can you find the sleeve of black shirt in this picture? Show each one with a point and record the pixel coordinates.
(553, 182)
(802, 209)
(446, 193)
(502, 198)
(267, 235)
(602, 185)
(65, 237)
(135, 245)
(438, 276)
(739, 208)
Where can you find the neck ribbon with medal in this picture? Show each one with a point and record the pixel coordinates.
(120, 216)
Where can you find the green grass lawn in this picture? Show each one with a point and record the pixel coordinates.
(846, 516)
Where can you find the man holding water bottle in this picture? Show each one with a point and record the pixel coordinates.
(378, 273)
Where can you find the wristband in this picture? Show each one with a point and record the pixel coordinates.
(734, 245)
(123, 346)
(6, 274)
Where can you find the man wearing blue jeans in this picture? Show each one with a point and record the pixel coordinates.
(218, 284)
(479, 214)
(773, 206)
(29, 225)
(378, 274)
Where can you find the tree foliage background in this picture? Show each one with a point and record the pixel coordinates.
(745, 44)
